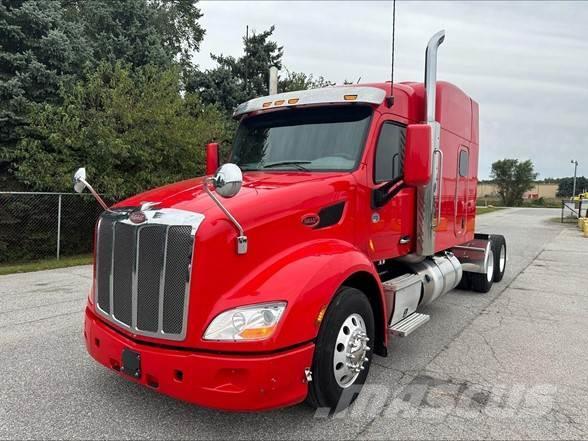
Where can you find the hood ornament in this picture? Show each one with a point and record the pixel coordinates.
(149, 205)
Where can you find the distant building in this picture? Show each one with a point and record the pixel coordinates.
(540, 190)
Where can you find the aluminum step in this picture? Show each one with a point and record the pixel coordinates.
(405, 326)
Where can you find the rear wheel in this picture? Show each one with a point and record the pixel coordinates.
(342, 356)
(498, 244)
(483, 282)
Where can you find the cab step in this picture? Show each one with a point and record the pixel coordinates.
(408, 324)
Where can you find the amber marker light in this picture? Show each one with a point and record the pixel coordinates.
(293, 100)
(321, 315)
(349, 97)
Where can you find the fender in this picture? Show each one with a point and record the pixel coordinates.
(307, 277)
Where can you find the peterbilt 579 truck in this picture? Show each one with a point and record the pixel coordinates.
(276, 278)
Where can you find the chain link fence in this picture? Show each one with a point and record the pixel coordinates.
(35, 225)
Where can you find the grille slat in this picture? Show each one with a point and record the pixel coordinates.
(124, 263)
(151, 254)
(103, 263)
(177, 274)
(143, 272)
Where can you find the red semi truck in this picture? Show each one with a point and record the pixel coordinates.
(276, 279)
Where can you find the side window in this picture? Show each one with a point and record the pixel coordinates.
(464, 163)
(389, 153)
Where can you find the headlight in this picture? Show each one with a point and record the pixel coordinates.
(254, 322)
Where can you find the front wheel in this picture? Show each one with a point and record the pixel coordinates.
(342, 355)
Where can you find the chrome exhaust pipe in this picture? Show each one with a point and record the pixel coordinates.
(431, 74)
(427, 218)
(273, 80)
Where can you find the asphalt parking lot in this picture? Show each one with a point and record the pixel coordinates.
(509, 364)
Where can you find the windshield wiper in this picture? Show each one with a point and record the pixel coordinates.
(297, 164)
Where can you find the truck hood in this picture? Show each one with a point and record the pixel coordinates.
(287, 187)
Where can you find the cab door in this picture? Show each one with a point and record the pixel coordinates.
(392, 211)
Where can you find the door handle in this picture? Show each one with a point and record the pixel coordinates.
(404, 240)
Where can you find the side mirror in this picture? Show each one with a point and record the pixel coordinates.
(80, 183)
(212, 162)
(228, 180)
(79, 180)
(417, 155)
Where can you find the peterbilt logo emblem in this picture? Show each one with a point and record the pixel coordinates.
(137, 217)
(311, 220)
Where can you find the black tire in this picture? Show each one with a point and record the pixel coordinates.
(498, 244)
(464, 283)
(483, 282)
(324, 390)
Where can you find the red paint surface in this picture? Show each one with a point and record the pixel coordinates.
(288, 261)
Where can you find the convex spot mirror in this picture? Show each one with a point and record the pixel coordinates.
(228, 180)
(79, 180)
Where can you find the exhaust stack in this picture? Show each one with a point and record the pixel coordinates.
(273, 80)
(427, 217)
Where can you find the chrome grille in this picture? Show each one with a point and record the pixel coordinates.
(143, 271)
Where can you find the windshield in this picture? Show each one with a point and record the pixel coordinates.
(319, 139)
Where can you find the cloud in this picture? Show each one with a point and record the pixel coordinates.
(526, 63)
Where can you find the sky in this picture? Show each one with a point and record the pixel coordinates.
(525, 63)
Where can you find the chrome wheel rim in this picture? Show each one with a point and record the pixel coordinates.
(502, 260)
(350, 350)
(490, 271)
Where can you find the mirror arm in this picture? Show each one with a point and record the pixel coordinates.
(382, 195)
(242, 238)
(96, 195)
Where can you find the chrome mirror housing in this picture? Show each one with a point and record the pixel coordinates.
(79, 180)
(228, 180)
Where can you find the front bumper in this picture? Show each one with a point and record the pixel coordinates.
(222, 381)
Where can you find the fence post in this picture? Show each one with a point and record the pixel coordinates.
(58, 226)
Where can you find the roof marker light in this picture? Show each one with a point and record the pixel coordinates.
(293, 100)
(267, 104)
(349, 97)
(279, 102)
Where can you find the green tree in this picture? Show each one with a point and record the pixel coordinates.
(566, 186)
(138, 32)
(236, 80)
(513, 179)
(47, 43)
(39, 50)
(131, 128)
(301, 81)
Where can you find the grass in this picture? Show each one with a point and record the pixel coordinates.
(484, 210)
(64, 262)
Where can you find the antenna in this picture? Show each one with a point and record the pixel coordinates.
(246, 41)
(390, 99)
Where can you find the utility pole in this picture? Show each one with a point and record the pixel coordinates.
(575, 172)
